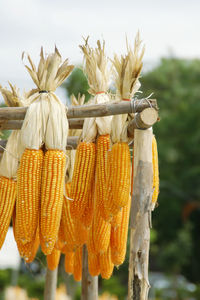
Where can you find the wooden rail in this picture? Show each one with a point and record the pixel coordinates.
(87, 111)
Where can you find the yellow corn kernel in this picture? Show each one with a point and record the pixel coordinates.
(155, 170)
(53, 259)
(69, 262)
(106, 265)
(118, 237)
(103, 146)
(82, 178)
(7, 202)
(52, 190)
(101, 232)
(121, 173)
(66, 233)
(28, 195)
(78, 264)
(93, 264)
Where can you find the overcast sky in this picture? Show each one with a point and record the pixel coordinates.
(166, 26)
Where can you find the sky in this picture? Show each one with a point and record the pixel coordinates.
(167, 27)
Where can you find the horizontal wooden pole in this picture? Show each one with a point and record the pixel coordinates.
(17, 124)
(86, 111)
(72, 142)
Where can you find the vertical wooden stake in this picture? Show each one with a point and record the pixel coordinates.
(89, 283)
(138, 284)
(50, 284)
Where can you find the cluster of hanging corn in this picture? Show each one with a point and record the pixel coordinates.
(62, 199)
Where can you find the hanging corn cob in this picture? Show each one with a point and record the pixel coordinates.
(47, 115)
(118, 238)
(84, 168)
(155, 171)
(126, 72)
(96, 69)
(53, 259)
(9, 165)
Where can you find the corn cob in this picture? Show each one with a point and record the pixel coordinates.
(93, 264)
(69, 262)
(7, 200)
(82, 178)
(78, 264)
(53, 174)
(118, 238)
(101, 232)
(155, 170)
(67, 231)
(121, 173)
(53, 259)
(28, 195)
(103, 146)
(106, 265)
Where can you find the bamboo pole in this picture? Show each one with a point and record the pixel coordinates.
(89, 288)
(138, 283)
(50, 284)
(86, 111)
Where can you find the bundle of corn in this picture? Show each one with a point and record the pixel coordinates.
(47, 116)
(127, 70)
(96, 69)
(84, 169)
(9, 165)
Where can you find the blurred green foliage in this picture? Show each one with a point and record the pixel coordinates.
(175, 84)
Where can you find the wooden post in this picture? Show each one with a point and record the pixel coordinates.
(50, 284)
(89, 283)
(138, 284)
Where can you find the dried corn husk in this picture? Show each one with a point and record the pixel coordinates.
(98, 74)
(14, 149)
(126, 74)
(46, 114)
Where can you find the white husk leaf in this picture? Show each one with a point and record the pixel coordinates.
(126, 73)
(14, 148)
(96, 69)
(10, 158)
(57, 126)
(46, 119)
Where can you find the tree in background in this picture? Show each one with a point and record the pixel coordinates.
(176, 85)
